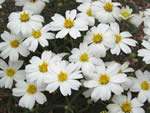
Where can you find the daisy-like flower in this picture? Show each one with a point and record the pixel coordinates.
(100, 39)
(1, 2)
(86, 9)
(12, 46)
(40, 67)
(122, 40)
(63, 76)
(145, 52)
(107, 11)
(125, 104)
(85, 60)
(24, 22)
(138, 19)
(124, 68)
(38, 36)
(10, 72)
(125, 13)
(71, 25)
(141, 84)
(105, 80)
(29, 93)
(36, 6)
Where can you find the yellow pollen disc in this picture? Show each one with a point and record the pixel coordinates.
(104, 79)
(68, 23)
(145, 85)
(14, 43)
(108, 7)
(126, 107)
(89, 12)
(31, 89)
(36, 34)
(97, 38)
(32, 1)
(84, 57)
(10, 72)
(43, 67)
(24, 17)
(125, 14)
(62, 76)
(118, 38)
(120, 71)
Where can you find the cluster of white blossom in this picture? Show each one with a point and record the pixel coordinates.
(86, 66)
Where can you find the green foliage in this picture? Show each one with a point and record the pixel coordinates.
(147, 0)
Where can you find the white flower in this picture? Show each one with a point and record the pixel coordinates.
(63, 76)
(72, 24)
(147, 32)
(84, 58)
(38, 36)
(24, 22)
(86, 9)
(141, 84)
(125, 13)
(125, 104)
(107, 11)
(12, 46)
(29, 93)
(1, 1)
(137, 19)
(124, 68)
(40, 67)
(145, 52)
(105, 81)
(10, 72)
(122, 40)
(100, 39)
(36, 6)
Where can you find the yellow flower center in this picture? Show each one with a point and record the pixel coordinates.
(24, 17)
(89, 12)
(10, 72)
(43, 67)
(126, 107)
(31, 89)
(36, 34)
(108, 7)
(84, 57)
(62, 76)
(145, 85)
(120, 71)
(97, 38)
(118, 38)
(14, 43)
(68, 23)
(104, 79)
(125, 14)
(33, 1)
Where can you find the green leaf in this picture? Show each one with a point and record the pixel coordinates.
(147, 0)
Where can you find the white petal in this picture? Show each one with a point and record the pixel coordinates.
(62, 33)
(27, 101)
(40, 97)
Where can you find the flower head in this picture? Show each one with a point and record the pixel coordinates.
(71, 25)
